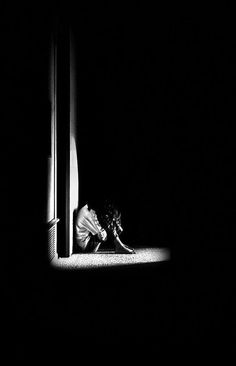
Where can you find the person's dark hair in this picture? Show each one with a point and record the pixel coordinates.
(109, 215)
(105, 208)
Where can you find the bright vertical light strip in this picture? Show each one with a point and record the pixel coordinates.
(52, 158)
(73, 163)
(55, 129)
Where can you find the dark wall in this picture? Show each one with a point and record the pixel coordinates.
(155, 126)
(25, 127)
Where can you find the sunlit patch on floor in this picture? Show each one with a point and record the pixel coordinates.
(109, 258)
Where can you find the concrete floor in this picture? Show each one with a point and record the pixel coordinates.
(105, 258)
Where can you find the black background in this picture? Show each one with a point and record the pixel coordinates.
(156, 119)
(156, 102)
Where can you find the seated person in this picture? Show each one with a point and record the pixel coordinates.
(90, 231)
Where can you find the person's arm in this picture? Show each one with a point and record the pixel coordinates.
(102, 234)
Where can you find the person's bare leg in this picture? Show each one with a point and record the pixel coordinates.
(96, 247)
(121, 248)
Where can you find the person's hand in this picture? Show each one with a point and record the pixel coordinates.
(103, 235)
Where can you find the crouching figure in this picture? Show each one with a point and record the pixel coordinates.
(93, 226)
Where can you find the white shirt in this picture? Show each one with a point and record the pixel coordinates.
(87, 224)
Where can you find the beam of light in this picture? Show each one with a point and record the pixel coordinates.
(110, 259)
